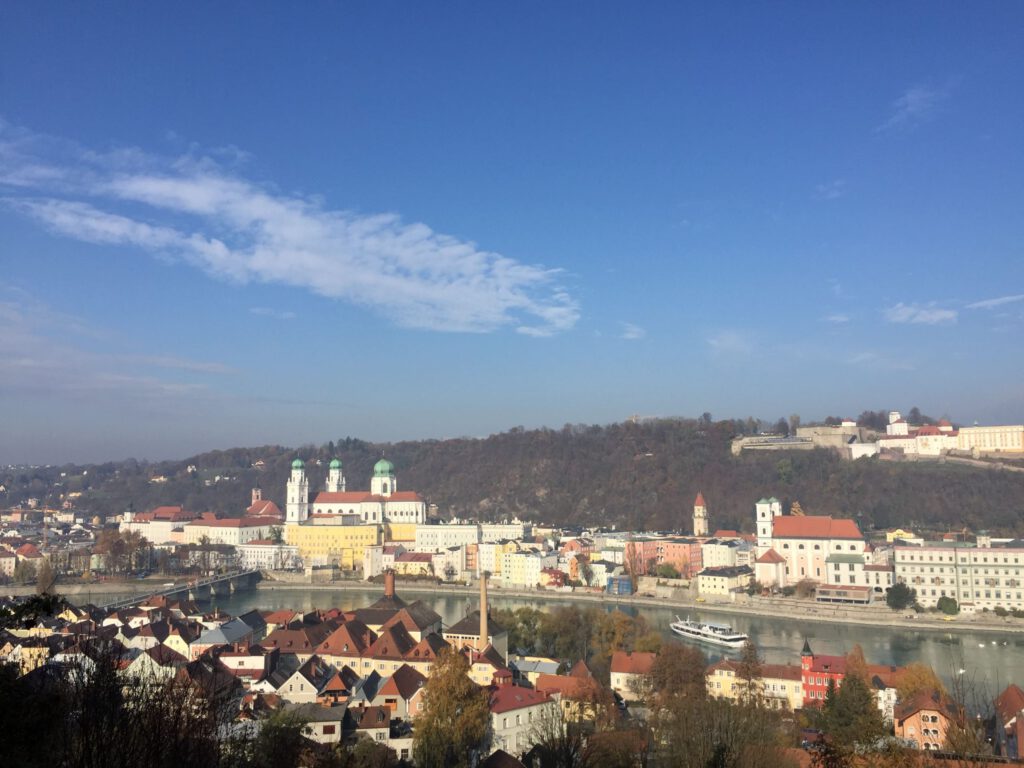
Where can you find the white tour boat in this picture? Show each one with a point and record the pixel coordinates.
(715, 634)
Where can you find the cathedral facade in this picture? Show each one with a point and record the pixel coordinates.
(336, 505)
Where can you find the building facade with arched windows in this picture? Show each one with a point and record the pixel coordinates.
(336, 505)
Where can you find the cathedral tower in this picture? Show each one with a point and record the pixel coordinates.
(335, 478)
(297, 496)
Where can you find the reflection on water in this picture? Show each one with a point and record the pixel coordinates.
(993, 660)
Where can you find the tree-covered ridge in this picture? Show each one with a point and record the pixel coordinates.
(641, 475)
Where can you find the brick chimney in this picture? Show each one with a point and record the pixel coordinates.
(389, 583)
(482, 643)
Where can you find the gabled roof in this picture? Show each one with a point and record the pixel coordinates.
(506, 698)
(404, 682)
(298, 638)
(469, 625)
(413, 620)
(165, 657)
(350, 639)
(814, 527)
(636, 663)
(771, 557)
(932, 701)
(392, 643)
(1009, 703)
(428, 648)
(264, 508)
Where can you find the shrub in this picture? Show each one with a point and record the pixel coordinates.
(948, 605)
(1000, 611)
(788, 591)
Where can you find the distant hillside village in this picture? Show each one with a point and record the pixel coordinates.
(901, 438)
(335, 533)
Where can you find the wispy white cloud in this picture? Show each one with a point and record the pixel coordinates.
(837, 319)
(831, 190)
(277, 314)
(45, 354)
(632, 332)
(913, 107)
(997, 302)
(917, 314)
(194, 209)
(729, 342)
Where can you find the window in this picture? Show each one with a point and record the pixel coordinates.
(328, 730)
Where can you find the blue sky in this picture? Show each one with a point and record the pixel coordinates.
(254, 223)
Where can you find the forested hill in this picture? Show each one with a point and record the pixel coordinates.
(643, 476)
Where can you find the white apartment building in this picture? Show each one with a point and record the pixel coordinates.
(716, 553)
(267, 556)
(1009, 439)
(522, 569)
(435, 538)
(516, 531)
(977, 577)
(450, 561)
(232, 531)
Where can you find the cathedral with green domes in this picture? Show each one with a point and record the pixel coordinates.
(335, 505)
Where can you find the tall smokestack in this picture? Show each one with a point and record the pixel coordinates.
(483, 611)
(389, 583)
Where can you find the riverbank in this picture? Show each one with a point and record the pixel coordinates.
(792, 609)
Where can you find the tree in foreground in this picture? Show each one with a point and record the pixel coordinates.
(678, 672)
(696, 732)
(748, 672)
(850, 716)
(453, 724)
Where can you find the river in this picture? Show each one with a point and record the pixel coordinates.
(992, 660)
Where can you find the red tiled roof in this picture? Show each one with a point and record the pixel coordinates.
(636, 663)
(814, 527)
(726, 533)
(699, 502)
(414, 557)
(237, 522)
(1009, 703)
(358, 497)
(771, 556)
(404, 682)
(505, 698)
(264, 508)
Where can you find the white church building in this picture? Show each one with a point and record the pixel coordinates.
(335, 505)
(792, 548)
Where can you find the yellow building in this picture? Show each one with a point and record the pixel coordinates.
(400, 531)
(899, 533)
(340, 545)
(779, 686)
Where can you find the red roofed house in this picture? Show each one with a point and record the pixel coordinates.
(1010, 719)
(813, 547)
(383, 503)
(516, 713)
(630, 672)
(817, 673)
(157, 525)
(261, 507)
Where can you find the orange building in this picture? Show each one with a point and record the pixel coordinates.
(925, 719)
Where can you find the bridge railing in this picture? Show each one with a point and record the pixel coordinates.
(127, 602)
